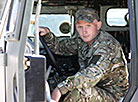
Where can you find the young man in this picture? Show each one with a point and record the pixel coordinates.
(103, 73)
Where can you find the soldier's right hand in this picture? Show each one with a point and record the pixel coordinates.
(43, 31)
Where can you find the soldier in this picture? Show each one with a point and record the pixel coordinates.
(103, 75)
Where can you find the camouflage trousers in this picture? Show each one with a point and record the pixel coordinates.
(98, 95)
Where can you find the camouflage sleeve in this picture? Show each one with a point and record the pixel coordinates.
(64, 47)
(91, 75)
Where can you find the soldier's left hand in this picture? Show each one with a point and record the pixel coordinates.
(56, 94)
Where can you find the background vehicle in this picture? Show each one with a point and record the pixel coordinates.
(21, 53)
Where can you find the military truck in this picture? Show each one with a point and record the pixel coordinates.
(29, 71)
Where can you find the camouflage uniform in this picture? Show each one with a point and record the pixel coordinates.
(103, 73)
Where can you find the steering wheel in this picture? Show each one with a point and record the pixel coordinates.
(50, 54)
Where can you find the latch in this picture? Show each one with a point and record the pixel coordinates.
(3, 59)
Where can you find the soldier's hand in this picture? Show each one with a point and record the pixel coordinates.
(56, 94)
(52, 101)
(43, 31)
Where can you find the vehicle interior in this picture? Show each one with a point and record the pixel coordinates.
(21, 46)
(61, 15)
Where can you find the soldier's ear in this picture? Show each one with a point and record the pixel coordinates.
(99, 24)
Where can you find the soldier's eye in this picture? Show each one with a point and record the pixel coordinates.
(79, 27)
(88, 25)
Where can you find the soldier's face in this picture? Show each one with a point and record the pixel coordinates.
(88, 31)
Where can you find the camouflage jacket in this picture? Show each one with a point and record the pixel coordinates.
(102, 65)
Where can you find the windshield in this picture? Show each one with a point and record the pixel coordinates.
(59, 24)
(117, 17)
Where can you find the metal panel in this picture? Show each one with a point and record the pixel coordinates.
(135, 98)
(133, 24)
(2, 84)
(35, 79)
(15, 79)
